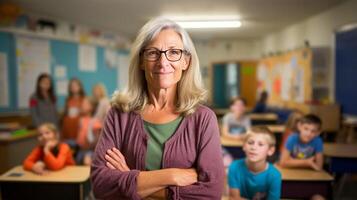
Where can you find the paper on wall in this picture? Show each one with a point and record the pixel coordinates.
(33, 58)
(60, 72)
(61, 87)
(87, 58)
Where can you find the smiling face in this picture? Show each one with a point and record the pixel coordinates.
(308, 131)
(257, 148)
(45, 135)
(163, 74)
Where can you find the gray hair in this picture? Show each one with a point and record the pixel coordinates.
(190, 90)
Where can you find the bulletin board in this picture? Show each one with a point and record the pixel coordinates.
(63, 62)
(286, 78)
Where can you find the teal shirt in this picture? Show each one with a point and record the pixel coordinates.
(263, 185)
(159, 134)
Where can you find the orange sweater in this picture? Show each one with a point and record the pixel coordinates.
(52, 162)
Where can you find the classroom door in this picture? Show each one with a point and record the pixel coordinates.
(346, 70)
(248, 82)
(225, 83)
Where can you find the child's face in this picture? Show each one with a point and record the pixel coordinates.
(238, 107)
(86, 107)
(308, 131)
(257, 148)
(97, 92)
(45, 135)
(75, 87)
(45, 84)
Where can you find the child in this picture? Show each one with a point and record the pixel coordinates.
(50, 153)
(291, 126)
(261, 106)
(101, 101)
(253, 177)
(304, 149)
(89, 131)
(43, 102)
(236, 123)
(70, 121)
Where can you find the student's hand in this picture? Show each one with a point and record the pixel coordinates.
(313, 164)
(50, 145)
(184, 177)
(39, 168)
(116, 160)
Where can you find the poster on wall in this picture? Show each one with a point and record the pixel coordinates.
(299, 85)
(87, 58)
(33, 58)
(4, 97)
(286, 82)
(262, 75)
(110, 57)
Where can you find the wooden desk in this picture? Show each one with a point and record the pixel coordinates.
(13, 150)
(72, 182)
(263, 119)
(343, 157)
(277, 128)
(227, 142)
(304, 183)
(234, 147)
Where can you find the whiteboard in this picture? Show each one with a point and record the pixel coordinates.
(33, 58)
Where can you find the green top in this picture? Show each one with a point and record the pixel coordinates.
(159, 134)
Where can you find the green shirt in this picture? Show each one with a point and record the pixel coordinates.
(159, 134)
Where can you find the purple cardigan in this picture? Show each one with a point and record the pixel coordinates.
(195, 144)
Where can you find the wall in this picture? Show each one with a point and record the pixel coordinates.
(318, 30)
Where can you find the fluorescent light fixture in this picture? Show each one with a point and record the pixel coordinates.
(210, 24)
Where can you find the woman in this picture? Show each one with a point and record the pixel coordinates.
(101, 101)
(158, 140)
(43, 102)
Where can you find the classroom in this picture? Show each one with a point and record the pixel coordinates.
(251, 99)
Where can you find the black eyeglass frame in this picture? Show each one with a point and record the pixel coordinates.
(164, 52)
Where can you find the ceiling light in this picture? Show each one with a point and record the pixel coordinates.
(210, 24)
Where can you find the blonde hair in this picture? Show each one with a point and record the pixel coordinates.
(190, 90)
(51, 127)
(102, 89)
(263, 130)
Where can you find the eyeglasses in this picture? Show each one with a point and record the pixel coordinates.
(154, 54)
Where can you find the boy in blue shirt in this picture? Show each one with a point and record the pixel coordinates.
(304, 149)
(253, 177)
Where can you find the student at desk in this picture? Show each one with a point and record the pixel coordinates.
(253, 177)
(261, 106)
(304, 149)
(50, 154)
(236, 123)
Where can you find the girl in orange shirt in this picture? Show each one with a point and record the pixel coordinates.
(50, 154)
(70, 120)
(89, 130)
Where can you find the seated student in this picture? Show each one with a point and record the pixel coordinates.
(261, 106)
(236, 123)
(304, 148)
(291, 126)
(89, 130)
(253, 177)
(50, 154)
